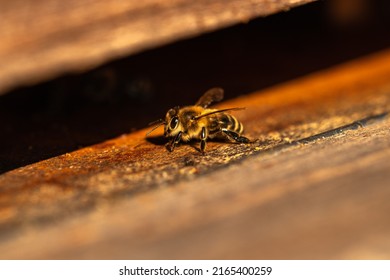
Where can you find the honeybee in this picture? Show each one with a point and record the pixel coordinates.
(201, 122)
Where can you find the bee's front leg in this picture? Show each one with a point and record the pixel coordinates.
(203, 137)
(175, 140)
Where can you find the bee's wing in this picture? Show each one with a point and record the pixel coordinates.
(210, 96)
(218, 111)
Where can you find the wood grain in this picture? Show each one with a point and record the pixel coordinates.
(43, 39)
(278, 198)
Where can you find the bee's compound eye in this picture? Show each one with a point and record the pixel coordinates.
(174, 123)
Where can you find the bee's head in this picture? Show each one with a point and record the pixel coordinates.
(172, 123)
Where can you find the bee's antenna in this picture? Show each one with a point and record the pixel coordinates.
(158, 122)
(219, 111)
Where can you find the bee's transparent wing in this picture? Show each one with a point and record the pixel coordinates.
(210, 96)
(218, 111)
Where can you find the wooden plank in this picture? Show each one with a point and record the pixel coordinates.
(325, 197)
(43, 39)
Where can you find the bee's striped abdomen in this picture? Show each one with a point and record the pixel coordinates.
(231, 123)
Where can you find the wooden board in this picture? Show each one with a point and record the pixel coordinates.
(314, 185)
(43, 39)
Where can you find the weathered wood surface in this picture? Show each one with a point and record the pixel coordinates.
(326, 197)
(46, 38)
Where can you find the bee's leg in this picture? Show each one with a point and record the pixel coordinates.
(203, 137)
(235, 136)
(171, 145)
